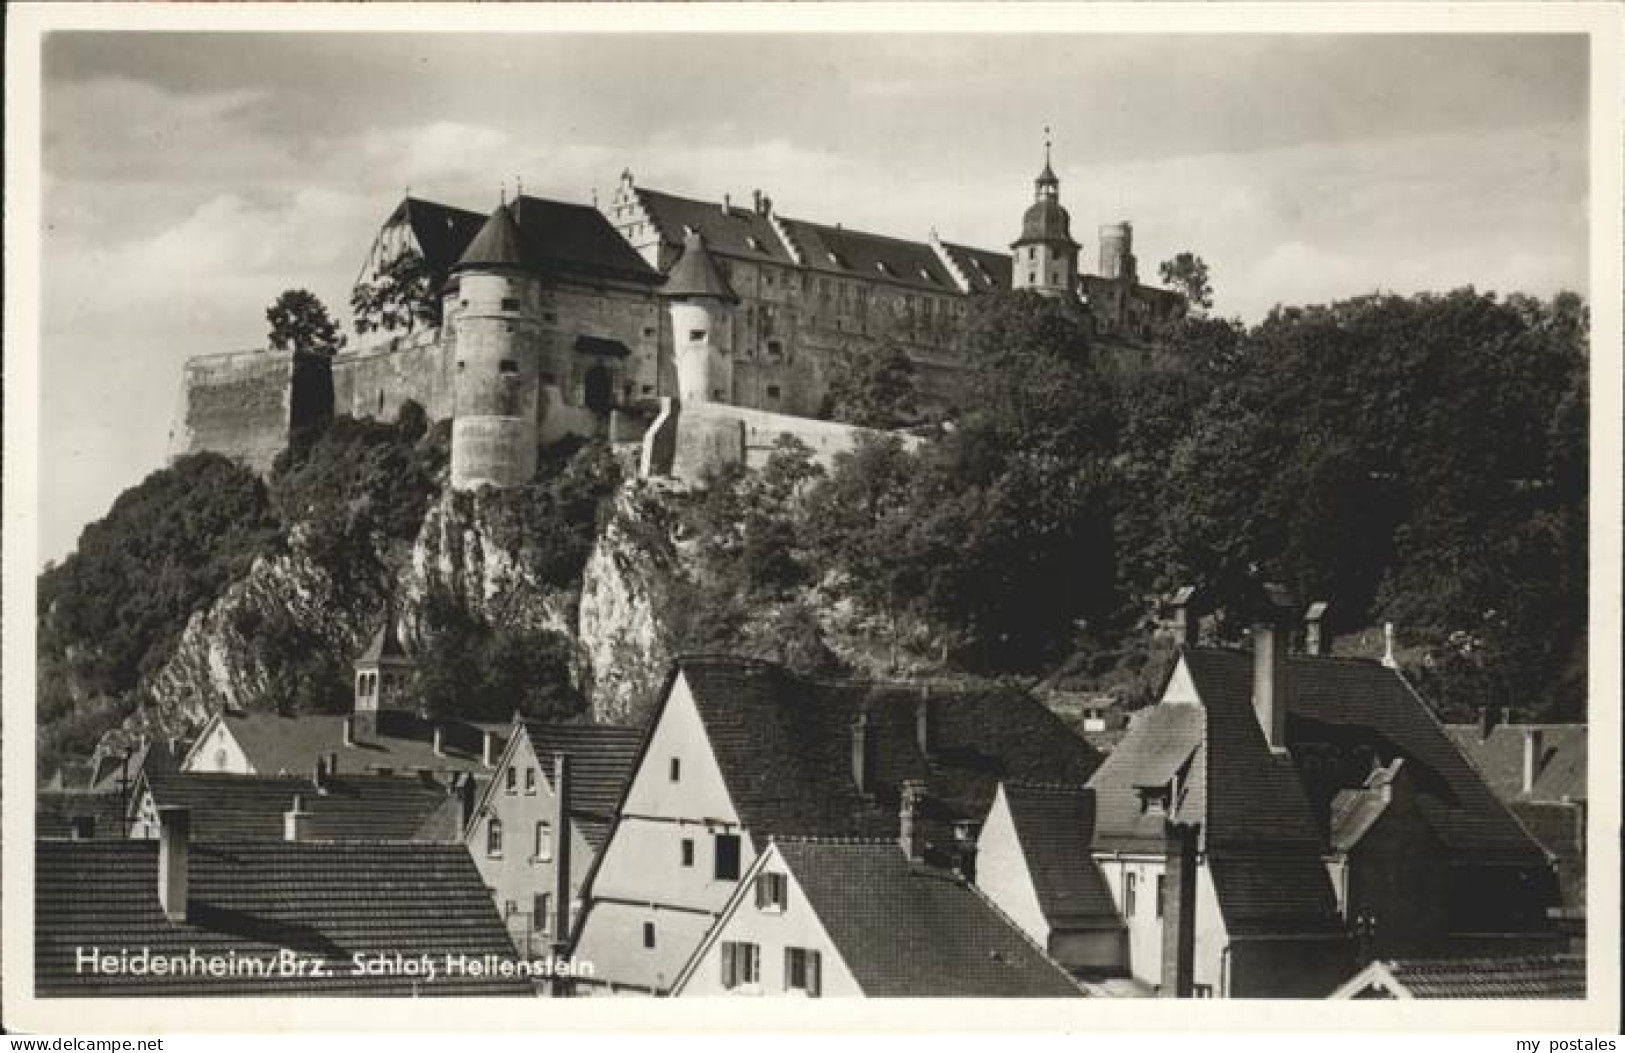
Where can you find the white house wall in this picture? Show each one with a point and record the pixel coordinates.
(1002, 872)
(1145, 928)
(218, 751)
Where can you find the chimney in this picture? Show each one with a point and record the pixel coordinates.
(1178, 911)
(1269, 682)
(561, 850)
(1187, 624)
(465, 798)
(318, 778)
(296, 822)
(333, 763)
(83, 827)
(862, 759)
(1388, 658)
(1316, 640)
(488, 750)
(923, 729)
(439, 741)
(910, 828)
(1486, 723)
(349, 732)
(1534, 757)
(174, 828)
(727, 205)
(756, 201)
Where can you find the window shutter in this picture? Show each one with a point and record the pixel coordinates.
(789, 965)
(730, 967)
(814, 975)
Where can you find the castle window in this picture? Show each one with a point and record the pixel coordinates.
(510, 304)
(509, 367)
(648, 330)
(696, 335)
(648, 934)
(549, 316)
(772, 391)
(775, 348)
(688, 851)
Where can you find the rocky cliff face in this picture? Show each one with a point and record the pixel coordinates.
(612, 619)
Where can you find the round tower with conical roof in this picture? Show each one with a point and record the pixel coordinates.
(700, 302)
(1045, 258)
(496, 340)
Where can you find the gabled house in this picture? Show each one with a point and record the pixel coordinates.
(856, 918)
(1521, 976)
(168, 917)
(263, 743)
(741, 750)
(1033, 860)
(322, 808)
(542, 819)
(1274, 817)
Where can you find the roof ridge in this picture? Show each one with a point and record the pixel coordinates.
(810, 839)
(1032, 784)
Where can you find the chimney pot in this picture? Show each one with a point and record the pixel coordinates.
(1316, 640)
(862, 760)
(1388, 658)
(1486, 723)
(439, 741)
(727, 205)
(295, 821)
(319, 775)
(174, 831)
(1534, 758)
(1187, 624)
(349, 732)
(488, 750)
(1269, 683)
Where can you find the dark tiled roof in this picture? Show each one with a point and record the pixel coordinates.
(873, 257)
(784, 746)
(256, 899)
(1347, 701)
(559, 237)
(602, 757)
(385, 645)
(496, 245)
(742, 233)
(1054, 825)
(441, 231)
(696, 273)
(1499, 759)
(1354, 812)
(278, 745)
(55, 810)
(1046, 221)
(906, 930)
(148, 757)
(348, 808)
(1527, 976)
(1264, 894)
(1559, 829)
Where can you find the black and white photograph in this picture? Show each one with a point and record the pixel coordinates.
(942, 502)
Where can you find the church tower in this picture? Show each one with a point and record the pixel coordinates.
(1045, 258)
(701, 303)
(496, 388)
(382, 681)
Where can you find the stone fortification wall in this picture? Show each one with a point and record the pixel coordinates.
(239, 404)
(374, 381)
(687, 442)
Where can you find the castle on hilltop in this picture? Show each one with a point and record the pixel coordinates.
(703, 330)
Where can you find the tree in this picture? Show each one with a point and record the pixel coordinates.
(873, 387)
(1187, 273)
(402, 296)
(299, 322)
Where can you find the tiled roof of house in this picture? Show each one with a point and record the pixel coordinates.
(1526, 976)
(55, 810)
(560, 237)
(1499, 759)
(112, 770)
(602, 757)
(1161, 739)
(696, 274)
(277, 745)
(1261, 894)
(346, 808)
(846, 253)
(254, 900)
(386, 644)
(784, 746)
(986, 271)
(906, 930)
(1560, 830)
(441, 231)
(742, 233)
(1054, 825)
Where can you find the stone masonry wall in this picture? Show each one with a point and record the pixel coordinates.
(239, 404)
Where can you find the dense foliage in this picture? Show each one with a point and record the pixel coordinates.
(872, 387)
(402, 297)
(300, 322)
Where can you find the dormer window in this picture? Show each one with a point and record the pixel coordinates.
(880, 265)
(1154, 800)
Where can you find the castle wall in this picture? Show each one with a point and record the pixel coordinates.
(373, 382)
(239, 404)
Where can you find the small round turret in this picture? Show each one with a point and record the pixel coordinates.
(496, 340)
(701, 303)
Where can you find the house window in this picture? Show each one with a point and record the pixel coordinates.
(1202, 990)
(220, 759)
(648, 934)
(688, 851)
(510, 304)
(741, 964)
(544, 842)
(676, 769)
(801, 971)
(696, 335)
(541, 913)
(1129, 881)
(772, 391)
(775, 348)
(772, 892)
(513, 779)
(509, 367)
(727, 858)
(648, 330)
(530, 780)
(549, 316)
(1162, 892)
(493, 837)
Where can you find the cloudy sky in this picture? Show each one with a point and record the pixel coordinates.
(189, 178)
